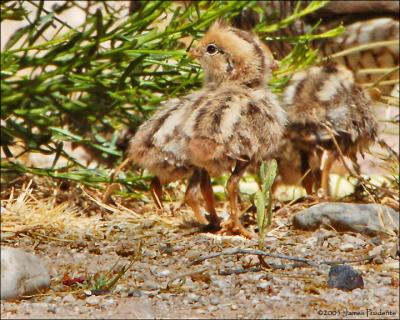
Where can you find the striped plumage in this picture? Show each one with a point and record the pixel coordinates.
(323, 102)
(232, 122)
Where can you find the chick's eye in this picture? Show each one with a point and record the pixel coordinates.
(212, 49)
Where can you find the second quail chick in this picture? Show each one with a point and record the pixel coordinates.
(324, 106)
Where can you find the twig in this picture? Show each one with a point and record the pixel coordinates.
(187, 274)
(238, 271)
(255, 252)
(309, 262)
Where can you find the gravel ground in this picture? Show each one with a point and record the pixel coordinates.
(162, 283)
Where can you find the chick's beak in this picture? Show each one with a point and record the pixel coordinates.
(274, 65)
(194, 53)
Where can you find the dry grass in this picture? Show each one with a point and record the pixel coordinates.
(25, 212)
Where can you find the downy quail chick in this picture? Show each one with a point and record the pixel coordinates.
(232, 122)
(323, 104)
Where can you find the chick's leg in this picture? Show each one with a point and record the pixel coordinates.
(208, 196)
(325, 172)
(156, 192)
(233, 192)
(191, 196)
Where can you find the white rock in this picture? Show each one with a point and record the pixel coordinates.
(222, 284)
(93, 300)
(21, 274)
(110, 302)
(263, 285)
(381, 292)
(120, 288)
(69, 298)
(354, 240)
(164, 273)
(346, 247)
(214, 301)
(286, 293)
(193, 297)
(150, 285)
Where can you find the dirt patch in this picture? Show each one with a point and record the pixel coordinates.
(163, 283)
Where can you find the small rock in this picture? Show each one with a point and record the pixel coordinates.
(345, 278)
(125, 249)
(377, 251)
(93, 248)
(135, 293)
(221, 283)
(346, 247)
(110, 302)
(51, 308)
(93, 300)
(69, 298)
(164, 273)
(287, 293)
(376, 241)
(150, 285)
(212, 308)
(119, 288)
(263, 285)
(363, 218)
(193, 297)
(21, 274)
(214, 301)
(234, 307)
(381, 292)
(356, 242)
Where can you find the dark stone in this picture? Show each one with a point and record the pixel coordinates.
(345, 278)
(135, 293)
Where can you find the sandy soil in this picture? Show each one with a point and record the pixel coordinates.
(162, 283)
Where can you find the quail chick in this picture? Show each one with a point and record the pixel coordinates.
(240, 122)
(324, 106)
(233, 121)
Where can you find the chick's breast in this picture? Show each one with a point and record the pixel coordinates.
(234, 123)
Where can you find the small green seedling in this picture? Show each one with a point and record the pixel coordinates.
(263, 199)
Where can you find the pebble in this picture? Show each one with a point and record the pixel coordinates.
(51, 308)
(93, 300)
(21, 274)
(212, 308)
(286, 293)
(135, 293)
(150, 285)
(214, 301)
(164, 273)
(346, 247)
(345, 278)
(120, 288)
(263, 285)
(193, 297)
(381, 292)
(110, 302)
(220, 283)
(69, 298)
(357, 242)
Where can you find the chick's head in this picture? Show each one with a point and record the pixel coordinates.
(230, 54)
